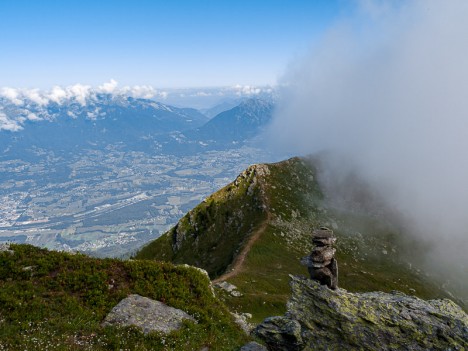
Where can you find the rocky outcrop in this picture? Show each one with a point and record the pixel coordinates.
(147, 315)
(319, 318)
(5, 247)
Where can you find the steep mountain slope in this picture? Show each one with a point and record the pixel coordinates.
(237, 124)
(57, 301)
(221, 107)
(266, 216)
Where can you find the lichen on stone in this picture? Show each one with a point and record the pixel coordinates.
(340, 320)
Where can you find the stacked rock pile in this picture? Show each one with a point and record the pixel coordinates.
(321, 262)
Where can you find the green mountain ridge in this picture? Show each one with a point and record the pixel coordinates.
(284, 202)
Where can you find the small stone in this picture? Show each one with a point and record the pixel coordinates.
(323, 241)
(322, 254)
(323, 232)
(253, 346)
(322, 275)
(307, 261)
(228, 287)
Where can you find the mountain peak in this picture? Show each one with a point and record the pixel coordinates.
(255, 102)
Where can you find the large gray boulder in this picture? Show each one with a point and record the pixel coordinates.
(147, 315)
(319, 318)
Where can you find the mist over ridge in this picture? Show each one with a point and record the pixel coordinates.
(386, 92)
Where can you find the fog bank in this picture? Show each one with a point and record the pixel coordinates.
(387, 90)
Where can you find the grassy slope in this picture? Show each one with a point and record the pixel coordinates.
(213, 233)
(56, 301)
(368, 252)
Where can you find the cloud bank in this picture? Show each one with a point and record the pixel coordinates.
(188, 97)
(386, 89)
(79, 92)
(9, 124)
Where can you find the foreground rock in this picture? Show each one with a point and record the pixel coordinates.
(146, 314)
(319, 318)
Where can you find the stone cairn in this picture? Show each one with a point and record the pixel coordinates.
(321, 263)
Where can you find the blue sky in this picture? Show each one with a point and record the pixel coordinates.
(196, 43)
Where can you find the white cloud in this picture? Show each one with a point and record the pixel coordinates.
(375, 9)
(390, 95)
(35, 96)
(8, 124)
(58, 94)
(71, 114)
(162, 94)
(80, 92)
(92, 115)
(246, 90)
(202, 94)
(12, 95)
(33, 117)
(108, 87)
(140, 91)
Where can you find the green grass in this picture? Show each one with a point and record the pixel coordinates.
(57, 301)
(362, 264)
(264, 280)
(213, 232)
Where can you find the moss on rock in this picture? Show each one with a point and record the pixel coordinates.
(341, 320)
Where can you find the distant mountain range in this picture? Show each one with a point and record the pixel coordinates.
(139, 123)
